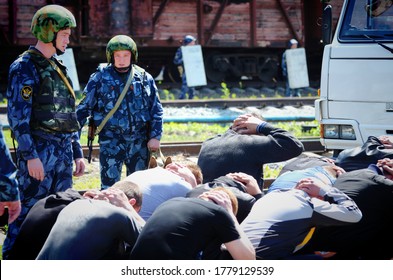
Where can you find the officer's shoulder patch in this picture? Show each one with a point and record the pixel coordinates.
(26, 92)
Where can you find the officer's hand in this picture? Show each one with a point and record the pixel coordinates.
(14, 209)
(36, 169)
(153, 145)
(79, 167)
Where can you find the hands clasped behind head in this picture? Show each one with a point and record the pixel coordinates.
(183, 172)
(218, 197)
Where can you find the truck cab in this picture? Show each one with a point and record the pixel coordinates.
(356, 90)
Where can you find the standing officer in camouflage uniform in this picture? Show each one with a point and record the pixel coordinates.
(41, 114)
(136, 126)
(178, 60)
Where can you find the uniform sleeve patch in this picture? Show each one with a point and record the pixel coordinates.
(26, 92)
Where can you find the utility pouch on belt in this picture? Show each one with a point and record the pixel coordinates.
(91, 133)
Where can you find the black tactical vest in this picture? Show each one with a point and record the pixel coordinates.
(53, 106)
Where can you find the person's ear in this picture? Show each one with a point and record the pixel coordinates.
(132, 201)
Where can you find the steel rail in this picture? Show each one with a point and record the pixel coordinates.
(312, 145)
(226, 103)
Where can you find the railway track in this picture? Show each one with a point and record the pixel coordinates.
(235, 102)
(242, 102)
(192, 148)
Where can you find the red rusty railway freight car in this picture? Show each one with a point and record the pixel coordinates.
(238, 38)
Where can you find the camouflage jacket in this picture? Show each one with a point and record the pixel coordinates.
(24, 82)
(140, 114)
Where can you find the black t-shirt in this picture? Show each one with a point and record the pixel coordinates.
(181, 228)
(38, 223)
(245, 200)
(89, 229)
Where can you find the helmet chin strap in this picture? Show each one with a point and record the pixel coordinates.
(122, 69)
(58, 51)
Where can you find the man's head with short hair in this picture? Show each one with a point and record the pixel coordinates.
(231, 195)
(131, 190)
(189, 171)
(196, 170)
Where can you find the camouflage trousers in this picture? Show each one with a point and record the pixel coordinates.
(185, 89)
(116, 152)
(56, 157)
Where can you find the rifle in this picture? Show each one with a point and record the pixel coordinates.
(91, 133)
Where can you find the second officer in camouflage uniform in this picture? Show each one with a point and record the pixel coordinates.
(136, 126)
(41, 114)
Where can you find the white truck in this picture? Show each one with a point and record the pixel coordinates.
(356, 90)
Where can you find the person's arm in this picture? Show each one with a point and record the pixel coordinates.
(331, 206)
(240, 249)
(8, 183)
(337, 206)
(156, 112)
(9, 192)
(14, 209)
(77, 155)
(284, 65)
(22, 84)
(274, 143)
(88, 103)
(178, 59)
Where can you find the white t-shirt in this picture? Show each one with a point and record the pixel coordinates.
(157, 186)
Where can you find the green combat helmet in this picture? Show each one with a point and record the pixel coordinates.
(49, 20)
(121, 43)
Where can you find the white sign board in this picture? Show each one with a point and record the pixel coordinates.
(193, 65)
(69, 61)
(297, 68)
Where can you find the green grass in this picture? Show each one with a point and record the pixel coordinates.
(179, 132)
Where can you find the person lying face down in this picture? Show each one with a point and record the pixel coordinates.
(245, 147)
(282, 221)
(288, 180)
(43, 215)
(242, 185)
(183, 228)
(161, 184)
(370, 239)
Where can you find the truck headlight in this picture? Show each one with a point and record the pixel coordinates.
(335, 131)
(347, 132)
(331, 131)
